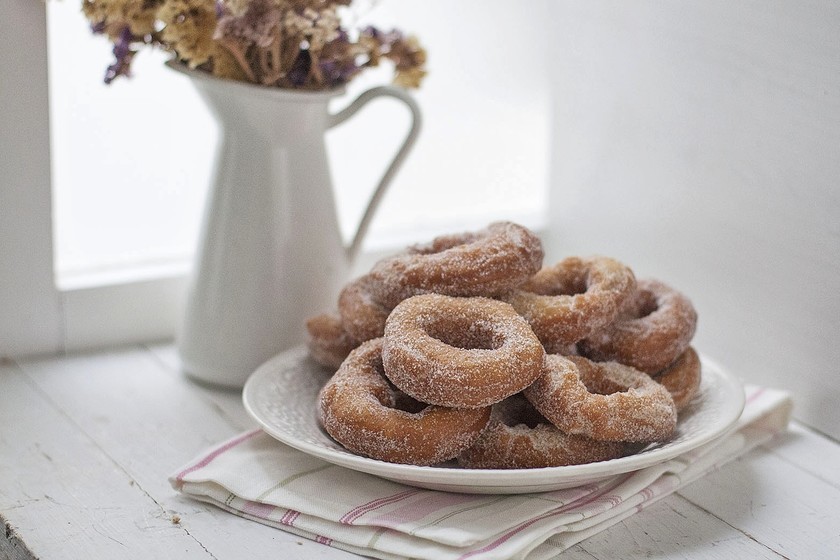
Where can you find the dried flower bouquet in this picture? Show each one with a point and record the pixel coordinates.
(296, 44)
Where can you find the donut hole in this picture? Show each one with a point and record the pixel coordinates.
(569, 284)
(529, 422)
(464, 334)
(391, 397)
(572, 287)
(599, 384)
(407, 403)
(643, 304)
(604, 388)
(517, 411)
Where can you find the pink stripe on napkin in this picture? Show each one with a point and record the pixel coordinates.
(355, 513)
(580, 502)
(422, 508)
(258, 509)
(230, 444)
(754, 395)
(289, 517)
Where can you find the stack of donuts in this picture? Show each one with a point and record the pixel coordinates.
(467, 348)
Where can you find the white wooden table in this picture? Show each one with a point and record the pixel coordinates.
(87, 442)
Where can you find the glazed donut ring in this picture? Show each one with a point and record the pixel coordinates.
(654, 329)
(362, 316)
(682, 378)
(459, 352)
(486, 263)
(605, 401)
(356, 407)
(518, 437)
(573, 299)
(328, 342)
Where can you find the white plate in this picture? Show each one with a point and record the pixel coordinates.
(281, 397)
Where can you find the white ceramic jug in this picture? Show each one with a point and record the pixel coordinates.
(271, 253)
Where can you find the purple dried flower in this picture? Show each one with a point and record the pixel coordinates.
(338, 72)
(258, 25)
(299, 71)
(337, 62)
(372, 32)
(382, 37)
(123, 55)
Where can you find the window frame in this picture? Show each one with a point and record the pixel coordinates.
(30, 304)
(36, 317)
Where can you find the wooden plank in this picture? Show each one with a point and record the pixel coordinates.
(227, 401)
(775, 502)
(63, 497)
(149, 421)
(809, 451)
(677, 529)
(152, 422)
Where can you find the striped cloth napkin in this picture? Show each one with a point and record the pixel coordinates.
(259, 478)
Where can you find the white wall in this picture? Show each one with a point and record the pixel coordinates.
(700, 143)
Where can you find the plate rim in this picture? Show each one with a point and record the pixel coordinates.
(477, 479)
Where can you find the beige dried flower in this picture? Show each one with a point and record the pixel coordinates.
(188, 29)
(114, 15)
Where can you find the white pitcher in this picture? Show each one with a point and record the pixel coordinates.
(271, 253)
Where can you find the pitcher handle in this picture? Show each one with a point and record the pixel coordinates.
(408, 143)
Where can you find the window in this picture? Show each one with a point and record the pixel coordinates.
(130, 162)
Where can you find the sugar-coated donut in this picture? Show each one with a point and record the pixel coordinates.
(573, 299)
(356, 407)
(518, 437)
(682, 378)
(459, 352)
(605, 400)
(653, 330)
(486, 263)
(362, 316)
(328, 342)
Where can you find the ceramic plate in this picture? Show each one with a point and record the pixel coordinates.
(281, 397)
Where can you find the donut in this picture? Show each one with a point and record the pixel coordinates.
(602, 400)
(518, 437)
(682, 378)
(328, 342)
(654, 329)
(573, 299)
(362, 316)
(357, 408)
(459, 352)
(486, 263)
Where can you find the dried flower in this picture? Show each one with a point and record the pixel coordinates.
(279, 43)
(123, 55)
(258, 24)
(188, 29)
(112, 16)
(410, 59)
